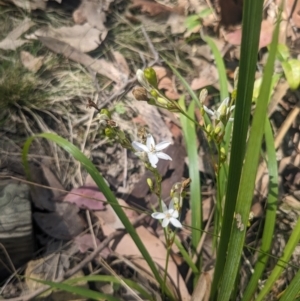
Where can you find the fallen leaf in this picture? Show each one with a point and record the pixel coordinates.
(157, 251)
(151, 8)
(84, 37)
(92, 12)
(235, 37)
(86, 242)
(86, 197)
(65, 223)
(165, 82)
(100, 66)
(109, 219)
(30, 62)
(121, 63)
(12, 41)
(296, 11)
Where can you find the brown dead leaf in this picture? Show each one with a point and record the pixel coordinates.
(158, 253)
(65, 223)
(151, 8)
(85, 38)
(121, 63)
(100, 66)
(86, 197)
(86, 242)
(92, 12)
(12, 41)
(109, 219)
(165, 82)
(235, 37)
(30, 62)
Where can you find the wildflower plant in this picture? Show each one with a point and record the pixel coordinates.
(235, 166)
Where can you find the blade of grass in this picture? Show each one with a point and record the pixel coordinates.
(248, 176)
(190, 137)
(220, 66)
(282, 263)
(252, 15)
(293, 290)
(109, 278)
(81, 291)
(92, 170)
(269, 225)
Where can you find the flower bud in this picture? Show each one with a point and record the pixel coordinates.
(203, 95)
(154, 93)
(141, 78)
(217, 130)
(140, 93)
(150, 75)
(105, 112)
(150, 183)
(162, 101)
(109, 132)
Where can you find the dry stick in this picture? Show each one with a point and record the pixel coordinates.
(286, 125)
(200, 244)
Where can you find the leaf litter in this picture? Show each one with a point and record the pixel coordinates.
(87, 50)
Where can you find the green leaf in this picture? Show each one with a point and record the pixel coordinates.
(190, 137)
(81, 291)
(248, 176)
(291, 70)
(271, 206)
(283, 52)
(252, 15)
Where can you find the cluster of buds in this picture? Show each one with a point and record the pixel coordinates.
(111, 129)
(220, 117)
(149, 91)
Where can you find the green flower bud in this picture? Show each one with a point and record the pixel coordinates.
(150, 183)
(154, 93)
(162, 101)
(150, 75)
(110, 133)
(105, 112)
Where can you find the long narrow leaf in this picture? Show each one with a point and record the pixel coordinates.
(247, 183)
(282, 263)
(190, 137)
(252, 15)
(269, 224)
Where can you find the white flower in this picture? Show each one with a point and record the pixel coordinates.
(168, 215)
(223, 110)
(153, 151)
(142, 79)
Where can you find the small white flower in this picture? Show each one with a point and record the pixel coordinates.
(153, 151)
(223, 110)
(142, 79)
(168, 215)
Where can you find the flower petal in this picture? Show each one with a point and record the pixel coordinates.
(153, 159)
(150, 142)
(164, 207)
(165, 222)
(171, 205)
(158, 215)
(175, 222)
(139, 146)
(174, 213)
(162, 145)
(208, 111)
(164, 156)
